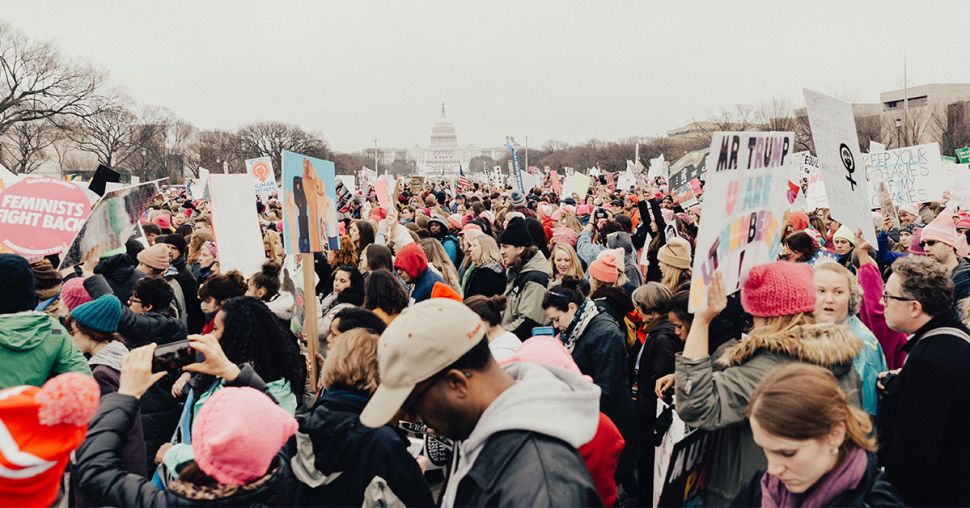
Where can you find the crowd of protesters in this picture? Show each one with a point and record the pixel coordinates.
(489, 347)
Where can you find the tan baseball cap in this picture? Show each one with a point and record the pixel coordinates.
(419, 343)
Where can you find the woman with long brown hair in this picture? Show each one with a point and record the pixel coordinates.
(819, 447)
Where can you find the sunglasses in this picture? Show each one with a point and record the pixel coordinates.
(928, 243)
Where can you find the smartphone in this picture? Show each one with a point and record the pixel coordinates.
(173, 356)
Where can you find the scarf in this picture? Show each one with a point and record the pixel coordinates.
(577, 326)
(845, 476)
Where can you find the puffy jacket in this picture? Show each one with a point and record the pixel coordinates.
(525, 289)
(868, 364)
(923, 439)
(716, 400)
(488, 280)
(655, 360)
(600, 352)
(139, 329)
(34, 347)
(961, 280)
(337, 461)
(99, 469)
(872, 490)
(120, 274)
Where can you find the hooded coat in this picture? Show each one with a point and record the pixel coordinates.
(518, 456)
(411, 260)
(716, 400)
(34, 347)
(119, 272)
(338, 461)
(622, 240)
(525, 288)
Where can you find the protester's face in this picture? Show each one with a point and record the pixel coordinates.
(799, 463)
(475, 251)
(435, 228)
(680, 328)
(510, 254)
(83, 342)
(341, 281)
(179, 219)
(209, 305)
(939, 250)
(446, 404)
(842, 247)
(561, 260)
(150, 238)
(134, 303)
(900, 314)
(831, 297)
(254, 291)
(906, 218)
(905, 237)
(404, 276)
(334, 328)
(407, 214)
(205, 258)
(354, 232)
(561, 319)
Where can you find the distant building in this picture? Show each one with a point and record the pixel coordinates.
(442, 156)
(927, 111)
(692, 129)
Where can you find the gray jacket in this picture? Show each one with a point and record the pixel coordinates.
(715, 400)
(525, 289)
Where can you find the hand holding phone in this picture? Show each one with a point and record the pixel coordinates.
(173, 356)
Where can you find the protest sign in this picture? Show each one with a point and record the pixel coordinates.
(261, 170)
(841, 164)
(686, 479)
(914, 174)
(690, 166)
(626, 180)
(741, 224)
(102, 176)
(580, 185)
(684, 195)
(7, 178)
(383, 188)
(349, 182)
(515, 166)
(963, 154)
(815, 196)
(657, 168)
(556, 183)
(40, 216)
(531, 181)
(344, 196)
(958, 183)
(309, 204)
(112, 221)
(235, 224)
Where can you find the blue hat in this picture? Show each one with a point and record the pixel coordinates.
(101, 315)
(518, 199)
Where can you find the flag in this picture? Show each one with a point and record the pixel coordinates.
(464, 184)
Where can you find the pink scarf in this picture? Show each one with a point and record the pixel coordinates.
(845, 476)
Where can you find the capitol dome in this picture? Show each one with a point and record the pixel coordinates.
(443, 132)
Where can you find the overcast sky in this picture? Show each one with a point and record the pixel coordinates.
(564, 70)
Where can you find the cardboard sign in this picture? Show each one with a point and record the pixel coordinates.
(815, 196)
(111, 223)
(309, 204)
(742, 223)
(40, 216)
(840, 162)
(687, 473)
(914, 174)
(690, 166)
(261, 170)
(235, 224)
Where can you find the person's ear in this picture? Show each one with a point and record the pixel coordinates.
(837, 435)
(148, 308)
(458, 381)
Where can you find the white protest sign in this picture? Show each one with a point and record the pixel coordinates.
(626, 180)
(815, 196)
(580, 185)
(876, 147)
(913, 174)
(530, 181)
(235, 224)
(7, 178)
(349, 182)
(841, 164)
(958, 178)
(261, 170)
(742, 223)
(657, 168)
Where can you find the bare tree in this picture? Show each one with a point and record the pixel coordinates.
(26, 145)
(776, 114)
(868, 128)
(38, 83)
(209, 149)
(267, 138)
(741, 117)
(108, 134)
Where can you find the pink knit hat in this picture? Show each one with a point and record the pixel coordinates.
(545, 350)
(565, 235)
(778, 289)
(155, 256)
(942, 230)
(604, 268)
(915, 245)
(583, 210)
(234, 450)
(73, 293)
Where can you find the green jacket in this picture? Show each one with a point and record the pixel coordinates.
(715, 400)
(34, 347)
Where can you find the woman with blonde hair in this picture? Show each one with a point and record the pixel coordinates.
(439, 259)
(485, 274)
(781, 298)
(674, 260)
(819, 448)
(565, 263)
(363, 464)
(195, 244)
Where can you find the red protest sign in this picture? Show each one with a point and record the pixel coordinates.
(40, 216)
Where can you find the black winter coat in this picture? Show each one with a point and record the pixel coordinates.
(341, 457)
(521, 468)
(600, 352)
(138, 329)
(190, 290)
(873, 490)
(923, 438)
(484, 281)
(656, 359)
(98, 462)
(120, 274)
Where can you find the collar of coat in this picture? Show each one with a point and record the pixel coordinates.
(821, 344)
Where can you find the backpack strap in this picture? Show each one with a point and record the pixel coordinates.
(947, 330)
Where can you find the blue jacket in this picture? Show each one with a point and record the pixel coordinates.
(868, 363)
(424, 284)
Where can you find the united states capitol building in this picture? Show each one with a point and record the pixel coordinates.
(442, 156)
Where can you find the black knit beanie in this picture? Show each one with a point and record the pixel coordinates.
(516, 234)
(18, 294)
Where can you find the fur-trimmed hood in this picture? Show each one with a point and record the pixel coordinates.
(822, 344)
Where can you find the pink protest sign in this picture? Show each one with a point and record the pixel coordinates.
(40, 216)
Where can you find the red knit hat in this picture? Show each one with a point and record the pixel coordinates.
(45, 425)
(604, 267)
(778, 289)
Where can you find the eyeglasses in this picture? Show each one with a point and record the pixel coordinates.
(928, 243)
(886, 297)
(133, 300)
